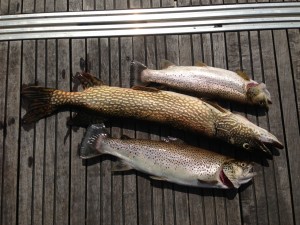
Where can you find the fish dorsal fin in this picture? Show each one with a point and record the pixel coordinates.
(157, 178)
(242, 74)
(87, 80)
(173, 140)
(120, 165)
(216, 105)
(166, 64)
(143, 88)
(200, 64)
(125, 137)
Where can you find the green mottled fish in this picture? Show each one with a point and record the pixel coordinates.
(205, 81)
(169, 160)
(177, 110)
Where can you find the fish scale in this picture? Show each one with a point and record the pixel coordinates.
(169, 160)
(178, 110)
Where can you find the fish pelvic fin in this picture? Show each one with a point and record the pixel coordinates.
(84, 119)
(87, 80)
(120, 165)
(39, 102)
(243, 75)
(91, 145)
(136, 69)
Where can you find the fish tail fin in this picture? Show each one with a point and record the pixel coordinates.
(40, 103)
(92, 143)
(136, 69)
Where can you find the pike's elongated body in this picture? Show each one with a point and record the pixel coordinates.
(205, 81)
(168, 160)
(177, 110)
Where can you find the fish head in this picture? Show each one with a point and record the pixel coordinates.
(258, 94)
(239, 131)
(234, 173)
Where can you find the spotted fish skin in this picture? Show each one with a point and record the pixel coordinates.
(169, 160)
(178, 110)
(206, 81)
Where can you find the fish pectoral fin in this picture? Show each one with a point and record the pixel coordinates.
(173, 140)
(120, 165)
(87, 80)
(209, 182)
(143, 88)
(243, 74)
(125, 137)
(200, 64)
(157, 178)
(166, 64)
(84, 119)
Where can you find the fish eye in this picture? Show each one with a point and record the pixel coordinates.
(261, 102)
(243, 164)
(246, 146)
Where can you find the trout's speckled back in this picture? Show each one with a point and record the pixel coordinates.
(177, 110)
(168, 160)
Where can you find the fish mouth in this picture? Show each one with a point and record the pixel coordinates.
(265, 144)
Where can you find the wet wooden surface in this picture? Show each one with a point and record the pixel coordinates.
(42, 179)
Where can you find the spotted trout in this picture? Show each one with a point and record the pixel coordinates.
(168, 160)
(178, 110)
(205, 81)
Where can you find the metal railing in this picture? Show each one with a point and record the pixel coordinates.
(150, 21)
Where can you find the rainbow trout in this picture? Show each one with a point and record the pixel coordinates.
(205, 81)
(177, 110)
(169, 160)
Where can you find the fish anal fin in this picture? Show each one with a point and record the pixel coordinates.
(200, 64)
(84, 119)
(173, 140)
(157, 178)
(125, 137)
(87, 80)
(143, 88)
(120, 166)
(243, 75)
(166, 64)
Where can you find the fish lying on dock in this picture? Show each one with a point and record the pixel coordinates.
(205, 81)
(169, 160)
(178, 110)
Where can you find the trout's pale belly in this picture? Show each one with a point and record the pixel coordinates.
(207, 81)
(166, 107)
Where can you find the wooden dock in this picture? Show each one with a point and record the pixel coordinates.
(42, 178)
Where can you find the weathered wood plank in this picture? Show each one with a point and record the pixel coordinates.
(61, 6)
(219, 60)
(294, 46)
(15, 7)
(27, 137)
(88, 5)
(130, 185)
(4, 7)
(117, 178)
(93, 174)
(39, 6)
(50, 138)
(247, 195)
(157, 192)
(258, 183)
(11, 145)
(269, 72)
(78, 169)
(135, 4)
(3, 81)
(49, 6)
(28, 6)
(106, 180)
(143, 182)
(39, 148)
(75, 5)
(290, 121)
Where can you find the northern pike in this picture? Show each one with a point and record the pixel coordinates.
(168, 160)
(205, 81)
(178, 110)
